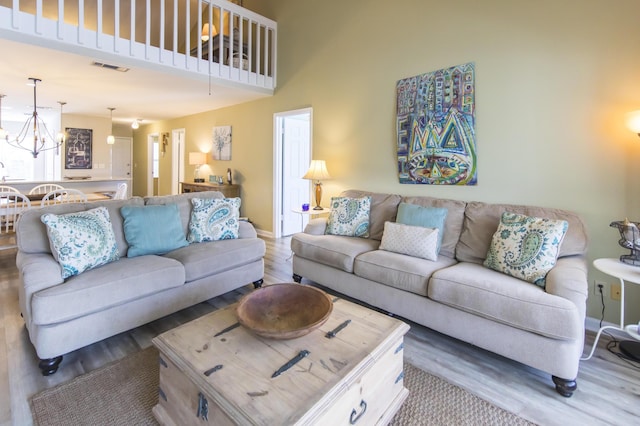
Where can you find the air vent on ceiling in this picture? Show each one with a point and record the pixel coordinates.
(110, 66)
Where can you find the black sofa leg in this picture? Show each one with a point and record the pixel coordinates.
(297, 278)
(564, 387)
(49, 366)
(258, 284)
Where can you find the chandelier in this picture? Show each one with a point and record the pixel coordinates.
(42, 138)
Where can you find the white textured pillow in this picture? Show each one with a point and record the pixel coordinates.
(81, 241)
(214, 219)
(415, 241)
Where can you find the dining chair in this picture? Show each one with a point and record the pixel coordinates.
(121, 192)
(5, 188)
(63, 196)
(11, 205)
(45, 188)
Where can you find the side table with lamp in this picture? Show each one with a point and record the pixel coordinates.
(317, 172)
(627, 270)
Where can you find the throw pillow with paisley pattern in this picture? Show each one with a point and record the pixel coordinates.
(526, 247)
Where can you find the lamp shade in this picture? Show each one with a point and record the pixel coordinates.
(204, 36)
(197, 158)
(317, 171)
(633, 121)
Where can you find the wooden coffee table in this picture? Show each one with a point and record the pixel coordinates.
(213, 371)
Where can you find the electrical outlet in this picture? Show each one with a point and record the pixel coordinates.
(615, 292)
(596, 291)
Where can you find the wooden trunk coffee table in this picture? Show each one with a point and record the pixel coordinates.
(213, 371)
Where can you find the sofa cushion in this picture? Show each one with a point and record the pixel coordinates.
(33, 233)
(109, 285)
(152, 229)
(383, 209)
(208, 258)
(453, 221)
(214, 219)
(349, 217)
(490, 294)
(183, 201)
(82, 240)
(399, 271)
(481, 221)
(331, 250)
(415, 241)
(429, 217)
(526, 247)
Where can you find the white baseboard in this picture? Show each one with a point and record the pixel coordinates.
(593, 325)
(263, 233)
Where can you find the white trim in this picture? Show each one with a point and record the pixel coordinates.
(277, 161)
(263, 233)
(593, 325)
(150, 141)
(177, 159)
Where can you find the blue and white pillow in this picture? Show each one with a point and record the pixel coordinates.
(81, 241)
(349, 217)
(526, 247)
(214, 219)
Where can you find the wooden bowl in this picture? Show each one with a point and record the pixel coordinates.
(284, 311)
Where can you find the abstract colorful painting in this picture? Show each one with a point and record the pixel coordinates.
(436, 127)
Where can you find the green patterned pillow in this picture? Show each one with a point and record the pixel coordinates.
(81, 241)
(526, 247)
(349, 217)
(214, 219)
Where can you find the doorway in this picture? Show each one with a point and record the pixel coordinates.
(121, 158)
(153, 163)
(292, 150)
(177, 160)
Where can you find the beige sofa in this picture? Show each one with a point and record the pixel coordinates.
(456, 295)
(62, 315)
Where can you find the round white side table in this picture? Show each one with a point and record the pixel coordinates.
(626, 274)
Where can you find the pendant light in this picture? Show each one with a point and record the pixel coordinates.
(111, 139)
(42, 138)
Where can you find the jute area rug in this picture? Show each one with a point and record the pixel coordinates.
(123, 393)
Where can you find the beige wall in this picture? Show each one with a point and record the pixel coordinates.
(101, 127)
(554, 79)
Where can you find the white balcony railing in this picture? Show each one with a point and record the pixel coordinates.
(215, 38)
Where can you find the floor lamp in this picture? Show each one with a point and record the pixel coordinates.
(317, 172)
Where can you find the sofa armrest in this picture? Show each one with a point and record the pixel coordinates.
(246, 230)
(38, 271)
(568, 279)
(316, 226)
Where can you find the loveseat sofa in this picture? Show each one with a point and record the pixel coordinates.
(456, 294)
(64, 314)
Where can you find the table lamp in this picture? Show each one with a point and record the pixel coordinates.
(317, 172)
(197, 159)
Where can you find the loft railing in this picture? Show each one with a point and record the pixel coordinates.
(215, 38)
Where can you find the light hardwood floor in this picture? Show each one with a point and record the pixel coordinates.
(608, 388)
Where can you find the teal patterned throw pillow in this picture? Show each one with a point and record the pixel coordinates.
(526, 247)
(349, 217)
(81, 241)
(214, 219)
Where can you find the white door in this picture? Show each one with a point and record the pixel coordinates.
(121, 158)
(296, 156)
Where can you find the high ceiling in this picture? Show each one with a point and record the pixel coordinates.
(142, 93)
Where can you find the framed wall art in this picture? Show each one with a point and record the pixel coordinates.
(221, 143)
(78, 148)
(436, 141)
